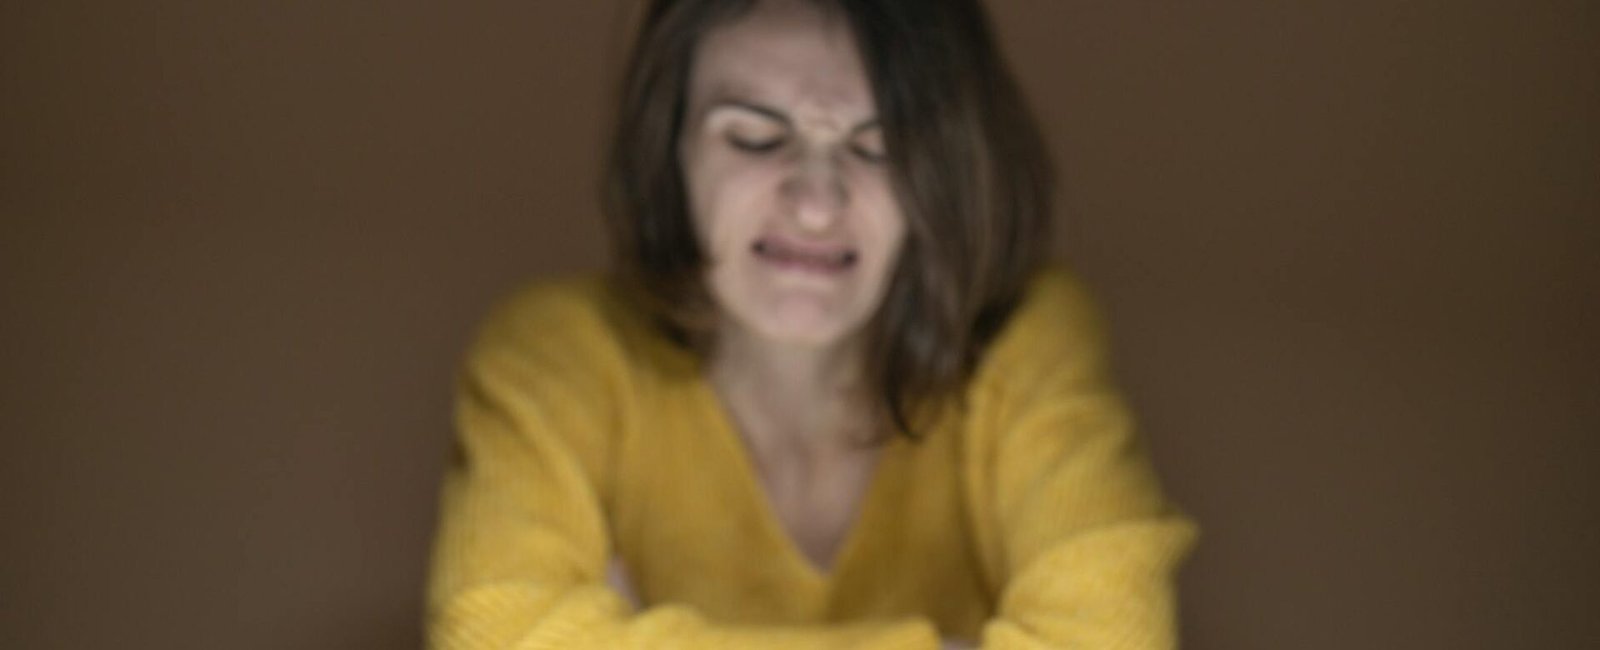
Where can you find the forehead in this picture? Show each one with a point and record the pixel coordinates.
(786, 54)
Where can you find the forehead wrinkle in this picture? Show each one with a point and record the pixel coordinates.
(809, 113)
(747, 108)
(772, 64)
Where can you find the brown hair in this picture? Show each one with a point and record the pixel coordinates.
(969, 169)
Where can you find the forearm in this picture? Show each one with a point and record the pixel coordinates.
(595, 617)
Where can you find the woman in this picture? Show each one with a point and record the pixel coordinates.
(829, 399)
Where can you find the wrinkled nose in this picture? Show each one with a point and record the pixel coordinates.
(816, 193)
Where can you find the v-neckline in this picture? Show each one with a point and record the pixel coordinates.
(760, 502)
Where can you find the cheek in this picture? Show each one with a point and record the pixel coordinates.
(726, 200)
(883, 218)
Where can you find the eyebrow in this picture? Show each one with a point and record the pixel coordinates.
(775, 114)
(764, 111)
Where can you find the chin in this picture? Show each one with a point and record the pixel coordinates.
(800, 335)
(801, 326)
(798, 320)
(793, 310)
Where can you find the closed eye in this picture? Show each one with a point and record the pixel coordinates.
(867, 154)
(755, 145)
(867, 144)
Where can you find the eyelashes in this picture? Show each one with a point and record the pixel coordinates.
(755, 145)
(871, 154)
(869, 151)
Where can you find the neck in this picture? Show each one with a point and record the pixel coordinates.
(806, 399)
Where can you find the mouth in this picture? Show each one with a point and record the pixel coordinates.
(798, 256)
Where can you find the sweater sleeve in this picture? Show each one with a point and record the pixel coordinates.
(523, 541)
(1085, 543)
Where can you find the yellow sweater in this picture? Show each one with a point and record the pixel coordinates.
(1032, 520)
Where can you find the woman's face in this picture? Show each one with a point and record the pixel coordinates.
(783, 162)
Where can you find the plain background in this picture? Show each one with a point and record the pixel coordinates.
(1348, 251)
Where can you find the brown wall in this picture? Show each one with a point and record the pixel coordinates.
(1348, 249)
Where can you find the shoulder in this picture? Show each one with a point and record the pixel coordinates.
(551, 369)
(569, 327)
(1056, 329)
(571, 303)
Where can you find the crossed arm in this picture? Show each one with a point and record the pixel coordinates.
(1085, 543)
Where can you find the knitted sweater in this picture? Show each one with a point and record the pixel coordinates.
(1031, 519)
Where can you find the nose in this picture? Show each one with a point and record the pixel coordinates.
(816, 193)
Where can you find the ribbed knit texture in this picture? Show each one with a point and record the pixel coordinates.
(1031, 519)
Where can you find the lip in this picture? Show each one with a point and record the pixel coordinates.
(811, 257)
